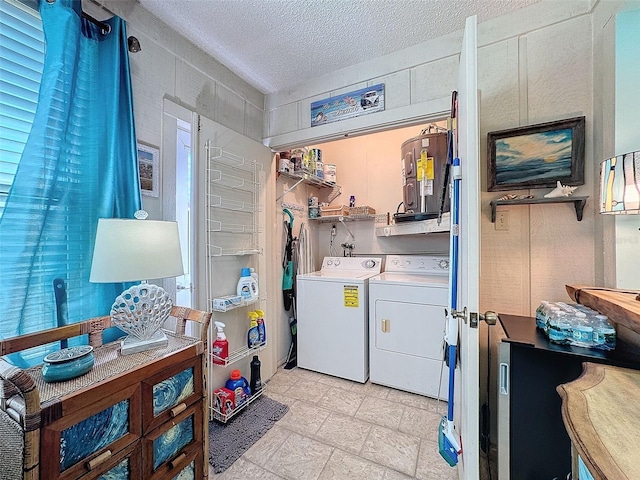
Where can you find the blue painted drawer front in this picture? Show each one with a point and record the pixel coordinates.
(167, 445)
(90, 435)
(172, 391)
(583, 472)
(188, 473)
(119, 472)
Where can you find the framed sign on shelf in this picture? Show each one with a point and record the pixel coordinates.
(536, 156)
(149, 169)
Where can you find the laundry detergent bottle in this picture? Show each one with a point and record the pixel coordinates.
(240, 387)
(247, 286)
(220, 345)
(253, 336)
(254, 275)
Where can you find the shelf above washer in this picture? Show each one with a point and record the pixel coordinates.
(416, 228)
(309, 179)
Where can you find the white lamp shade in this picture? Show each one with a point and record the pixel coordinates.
(133, 250)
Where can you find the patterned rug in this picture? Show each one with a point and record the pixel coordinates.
(227, 442)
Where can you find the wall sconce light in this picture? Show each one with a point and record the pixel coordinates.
(620, 184)
(134, 44)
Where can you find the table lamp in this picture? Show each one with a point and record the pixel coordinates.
(132, 250)
(620, 184)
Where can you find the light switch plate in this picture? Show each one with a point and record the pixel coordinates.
(502, 220)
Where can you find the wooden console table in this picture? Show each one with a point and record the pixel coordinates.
(139, 416)
(599, 411)
(621, 306)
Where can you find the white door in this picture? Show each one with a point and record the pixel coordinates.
(466, 403)
(223, 267)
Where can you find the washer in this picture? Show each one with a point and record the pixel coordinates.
(407, 323)
(333, 317)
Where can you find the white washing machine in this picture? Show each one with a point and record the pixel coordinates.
(407, 321)
(333, 317)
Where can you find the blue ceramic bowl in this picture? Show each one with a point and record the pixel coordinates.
(67, 363)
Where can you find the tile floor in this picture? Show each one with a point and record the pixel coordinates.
(338, 429)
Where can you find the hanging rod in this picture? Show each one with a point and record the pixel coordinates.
(105, 28)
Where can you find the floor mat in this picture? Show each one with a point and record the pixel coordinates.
(227, 442)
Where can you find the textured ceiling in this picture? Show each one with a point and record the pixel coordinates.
(275, 44)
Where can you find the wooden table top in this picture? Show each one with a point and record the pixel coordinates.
(621, 306)
(600, 413)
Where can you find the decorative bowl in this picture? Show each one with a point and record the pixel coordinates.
(67, 363)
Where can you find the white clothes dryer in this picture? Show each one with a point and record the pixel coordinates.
(407, 324)
(333, 317)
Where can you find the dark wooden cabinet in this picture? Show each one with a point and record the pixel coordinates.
(153, 409)
(138, 416)
(532, 441)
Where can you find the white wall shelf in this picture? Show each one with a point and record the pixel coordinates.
(225, 417)
(312, 180)
(242, 303)
(415, 228)
(236, 355)
(343, 218)
(233, 206)
(578, 203)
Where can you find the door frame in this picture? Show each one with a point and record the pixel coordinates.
(468, 394)
(171, 113)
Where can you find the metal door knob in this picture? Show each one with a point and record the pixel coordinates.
(490, 317)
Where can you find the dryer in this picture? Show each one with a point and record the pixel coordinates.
(333, 317)
(407, 324)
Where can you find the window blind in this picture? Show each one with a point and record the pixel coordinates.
(21, 64)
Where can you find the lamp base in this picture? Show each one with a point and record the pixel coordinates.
(131, 344)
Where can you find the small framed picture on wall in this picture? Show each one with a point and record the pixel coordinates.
(149, 169)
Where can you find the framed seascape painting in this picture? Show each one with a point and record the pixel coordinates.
(536, 156)
(149, 169)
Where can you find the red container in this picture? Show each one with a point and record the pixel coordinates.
(221, 351)
(225, 400)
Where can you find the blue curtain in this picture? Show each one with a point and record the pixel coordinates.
(79, 164)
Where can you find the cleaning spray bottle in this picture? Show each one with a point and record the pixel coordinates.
(253, 336)
(221, 345)
(262, 329)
